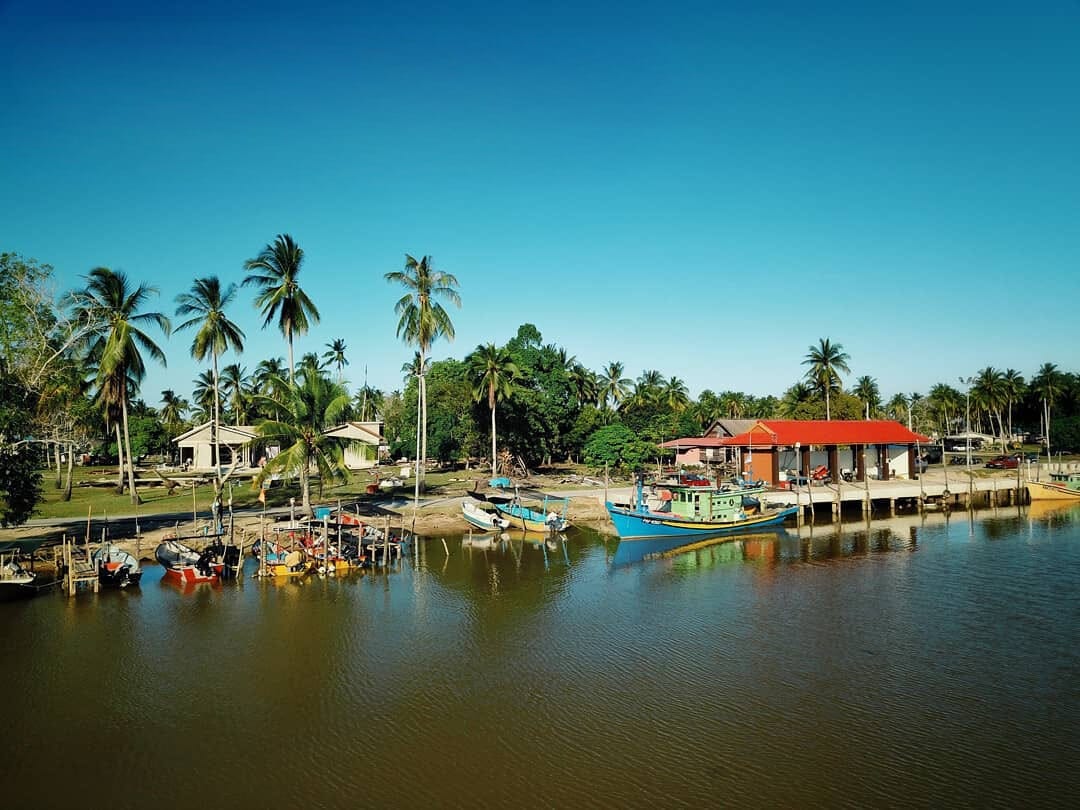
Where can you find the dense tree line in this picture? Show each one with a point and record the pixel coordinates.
(72, 365)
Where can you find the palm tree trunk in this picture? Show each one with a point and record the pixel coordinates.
(288, 337)
(130, 460)
(305, 489)
(70, 465)
(494, 462)
(119, 460)
(214, 426)
(423, 421)
(57, 446)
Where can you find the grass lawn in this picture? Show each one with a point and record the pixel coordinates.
(103, 500)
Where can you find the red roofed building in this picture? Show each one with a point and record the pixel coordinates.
(884, 449)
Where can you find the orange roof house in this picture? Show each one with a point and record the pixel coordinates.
(772, 444)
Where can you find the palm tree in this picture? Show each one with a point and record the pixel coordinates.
(335, 354)
(115, 335)
(235, 382)
(613, 385)
(421, 320)
(493, 372)
(369, 401)
(897, 407)
(274, 272)
(826, 360)
(311, 361)
(866, 389)
(1014, 390)
(268, 375)
(584, 384)
(990, 393)
(203, 395)
(1048, 383)
(798, 394)
(216, 334)
(675, 395)
(946, 401)
(311, 405)
(172, 410)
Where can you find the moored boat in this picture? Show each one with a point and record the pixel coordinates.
(481, 518)
(183, 564)
(15, 581)
(550, 517)
(1062, 486)
(690, 511)
(116, 568)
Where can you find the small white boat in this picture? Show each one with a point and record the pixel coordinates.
(481, 518)
(15, 581)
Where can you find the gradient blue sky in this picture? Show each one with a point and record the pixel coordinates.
(701, 188)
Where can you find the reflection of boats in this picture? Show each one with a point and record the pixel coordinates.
(1046, 509)
(633, 551)
(481, 518)
(687, 510)
(185, 565)
(483, 541)
(15, 581)
(550, 517)
(1062, 486)
(115, 567)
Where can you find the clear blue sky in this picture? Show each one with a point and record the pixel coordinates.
(701, 188)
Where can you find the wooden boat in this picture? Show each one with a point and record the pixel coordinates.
(695, 511)
(115, 567)
(1062, 486)
(183, 564)
(550, 517)
(481, 518)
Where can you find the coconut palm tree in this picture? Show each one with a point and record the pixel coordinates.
(236, 384)
(216, 334)
(335, 353)
(584, 384)
(1014, 391)
(946, 401)
(990, 393)
(115, 335)
(421, 320)
(274, 272)
(268, 373)
(826, 361)
(866, 389)
(203, 395)
(311, 404)
(493, 372)
(798, 394)
(1049, 384)
(675, 395)
(613, 386)
(173, 408)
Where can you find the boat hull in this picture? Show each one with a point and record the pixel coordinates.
(1044, 491)
(529, 521)
(631, 524)
(190, 575)
(482, 519)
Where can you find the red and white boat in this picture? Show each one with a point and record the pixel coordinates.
(184, 565)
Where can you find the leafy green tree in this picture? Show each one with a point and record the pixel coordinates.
(421, 320)
(493, 373)
(617, 446)
(235, 384)
(312, 403)
(204, 307)
(20, 480)
(826, 361)
(275, 272)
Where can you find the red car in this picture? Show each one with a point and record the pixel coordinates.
(1003, 463)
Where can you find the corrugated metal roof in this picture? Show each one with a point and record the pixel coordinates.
(788, 432)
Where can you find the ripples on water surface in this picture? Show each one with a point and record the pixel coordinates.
(914, 663)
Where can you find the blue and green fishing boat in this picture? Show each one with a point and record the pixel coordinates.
(691, 510)
(548, 516)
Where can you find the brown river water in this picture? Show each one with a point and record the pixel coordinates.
(912, 662)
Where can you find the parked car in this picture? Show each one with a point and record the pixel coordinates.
(1003, 463)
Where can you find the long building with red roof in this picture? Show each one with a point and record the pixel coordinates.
(771, 447)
